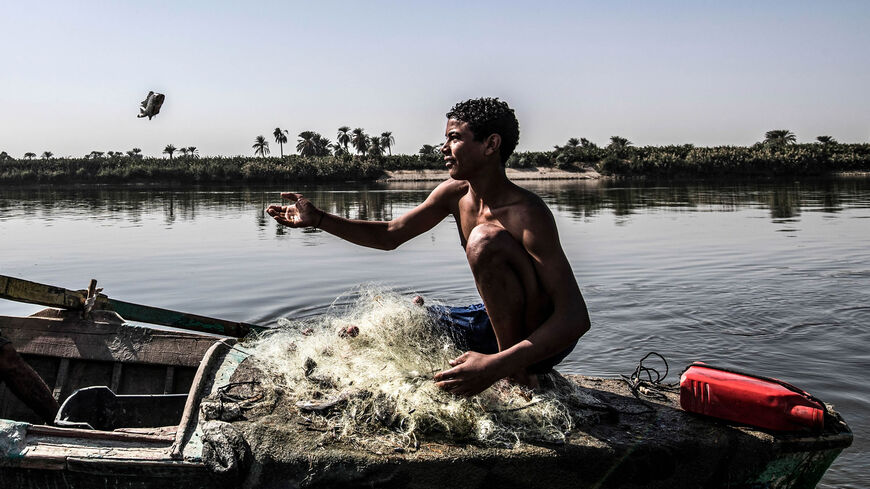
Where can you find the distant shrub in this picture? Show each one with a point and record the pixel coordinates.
(529, 159)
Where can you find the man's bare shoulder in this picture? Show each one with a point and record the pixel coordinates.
(531, 205)
(449, 190)
(531, 220)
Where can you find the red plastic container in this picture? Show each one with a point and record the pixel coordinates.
(756, 401)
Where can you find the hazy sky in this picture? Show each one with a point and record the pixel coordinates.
(710, 73)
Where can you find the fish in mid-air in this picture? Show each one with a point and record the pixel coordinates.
(151, 105)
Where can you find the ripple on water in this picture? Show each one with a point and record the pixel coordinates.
(854, 314)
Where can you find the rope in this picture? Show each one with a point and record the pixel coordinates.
(223, 393)
(648, 382)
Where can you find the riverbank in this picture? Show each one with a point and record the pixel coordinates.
(564, 163)
(534, 173)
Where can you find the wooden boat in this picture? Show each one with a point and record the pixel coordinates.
(186, 443)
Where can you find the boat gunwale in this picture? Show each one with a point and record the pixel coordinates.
(190, 415)
(42, 430)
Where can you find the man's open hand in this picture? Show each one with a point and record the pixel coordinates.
(300, 214)
(472, 373)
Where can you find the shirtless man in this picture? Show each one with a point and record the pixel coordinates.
(528, 288)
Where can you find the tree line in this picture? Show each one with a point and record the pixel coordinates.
(356, 155)
(311, 143)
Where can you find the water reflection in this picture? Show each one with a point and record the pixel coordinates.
(383, 201)
(689, 269)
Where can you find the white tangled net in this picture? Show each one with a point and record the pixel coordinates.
(380, 382)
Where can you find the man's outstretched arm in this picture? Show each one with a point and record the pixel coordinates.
(382, 235)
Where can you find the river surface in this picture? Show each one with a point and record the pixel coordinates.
(772, 278)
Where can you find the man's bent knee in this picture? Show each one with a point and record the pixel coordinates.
(488, 243)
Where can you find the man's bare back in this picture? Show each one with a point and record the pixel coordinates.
(511, 243)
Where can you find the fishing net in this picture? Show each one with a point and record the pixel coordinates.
(367, 370)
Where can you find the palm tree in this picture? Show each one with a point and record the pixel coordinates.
(779, 137)
(191, 150)
(136, 153)
(321, 145)
(169, 149)
(617, 142)
(585, 143)
(387, 141)
(280, 138)
(29, 155)
(343, 137)
(337, 149)
(261, 146)
(360, 141)
(428, 149)
(47, 155)
(573, 142)
(826, 140)
(183, 152)
(306, 145)
(374, 148)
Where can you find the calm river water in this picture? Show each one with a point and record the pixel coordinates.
(772, 278)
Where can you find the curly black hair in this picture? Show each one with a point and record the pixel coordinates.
(487, 116)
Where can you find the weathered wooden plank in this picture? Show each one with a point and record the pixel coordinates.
(190, 417)
(117, 369)
(144, 436)
(20, 290)
(174, 470)
(181, 320)
(47, 295)
(103, 342)
(60, 383)
(169, 381)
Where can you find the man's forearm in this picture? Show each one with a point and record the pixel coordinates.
(552, 337)
(372, 234)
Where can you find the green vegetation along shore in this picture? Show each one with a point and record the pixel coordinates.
(619, 159)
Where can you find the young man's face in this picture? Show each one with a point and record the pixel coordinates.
(462, 153)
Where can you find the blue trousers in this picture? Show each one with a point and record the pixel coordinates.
(471, 330)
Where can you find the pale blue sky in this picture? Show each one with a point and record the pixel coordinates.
(667, 72)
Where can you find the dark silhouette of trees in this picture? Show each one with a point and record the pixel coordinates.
(311, 143)
(618, 143)
(360, 141)
(387, 141)
(261, 146)
(280, 138)
(779, 137)
(343, 137)
(306, 145)
(429, 149)
(375, 148)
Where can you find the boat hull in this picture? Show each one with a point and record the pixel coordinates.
(628, 443)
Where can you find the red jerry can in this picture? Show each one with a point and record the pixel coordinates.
(745, 398)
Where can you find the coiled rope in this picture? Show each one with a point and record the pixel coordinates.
(648, 382)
